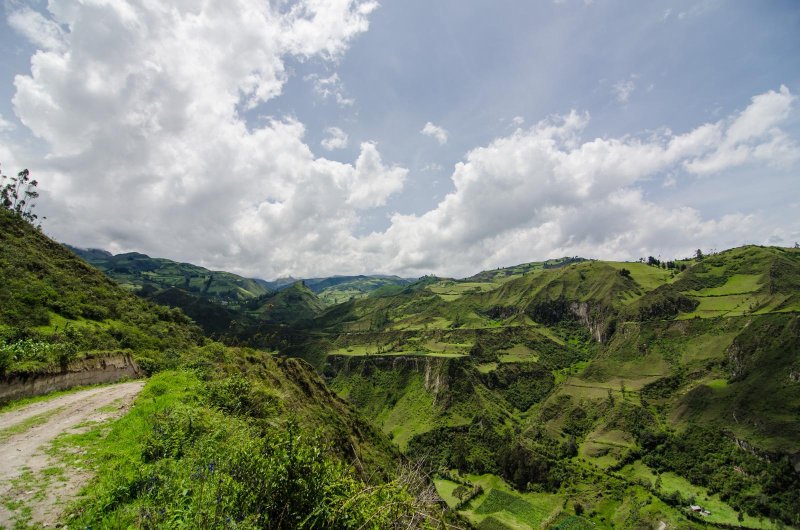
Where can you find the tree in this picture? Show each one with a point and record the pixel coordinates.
(698, 254)
(18, 193)
(460, 492)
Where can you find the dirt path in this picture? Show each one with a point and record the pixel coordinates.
(33, 485)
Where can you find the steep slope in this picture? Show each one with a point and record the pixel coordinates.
(54, 308)
(220, 437)
(587, 382)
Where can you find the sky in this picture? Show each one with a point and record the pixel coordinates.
(317, 137)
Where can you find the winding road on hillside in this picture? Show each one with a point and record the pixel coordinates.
(34, 485)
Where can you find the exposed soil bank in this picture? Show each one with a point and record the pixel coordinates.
(92, 371)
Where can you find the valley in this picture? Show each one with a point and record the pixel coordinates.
(570, 393)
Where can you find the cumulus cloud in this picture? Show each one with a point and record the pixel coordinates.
(335, 139)
(752, 135)
(543, 192)
(37, 28)
(436, 132)
(142, 113)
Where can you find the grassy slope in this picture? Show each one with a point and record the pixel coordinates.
(725, 368)
(234, 401)
(291, 305)
(149, 457)
(55, 308)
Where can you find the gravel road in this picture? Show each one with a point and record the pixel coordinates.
(28, 492)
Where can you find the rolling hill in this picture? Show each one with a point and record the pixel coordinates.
(142, 274)
(571, 393)
(622, 372)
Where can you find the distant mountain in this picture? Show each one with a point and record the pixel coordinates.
(291, 305)
(140, 272)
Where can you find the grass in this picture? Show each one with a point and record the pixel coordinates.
(445, 488)
(413, 414)
(28, 424)
(486, 368)
(647, 276)
(702, 347)
(717, 384)
(736, 284)
(450, 290)
(519, 353)
(513, 509)
(725, 305)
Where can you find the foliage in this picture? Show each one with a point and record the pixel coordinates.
(49, 296)
(25, 356)
(708, 458)
(17, 195)
(184, 459)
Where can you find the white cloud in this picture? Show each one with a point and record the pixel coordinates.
(752, 135)
(141, 112)
(335, 139)
(148, 149)
(436, 132)
(330, 87)
(543, 193)
(433, 166)
(622, 90)
(517, 121)
(38, 29)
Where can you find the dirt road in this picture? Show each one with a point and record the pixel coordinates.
(33, 485)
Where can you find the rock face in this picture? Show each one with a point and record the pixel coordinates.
(434, 370)
(593, 318)
(85, 372)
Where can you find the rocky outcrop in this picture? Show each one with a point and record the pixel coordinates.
(737, 361)
(90, 371)
(596, 319)
(434, 370)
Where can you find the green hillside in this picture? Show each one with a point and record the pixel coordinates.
(143, 274)
(338, 289)
(584, 380)
(291, 305)
(54, 308)
(220, 437)
(569, 394)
